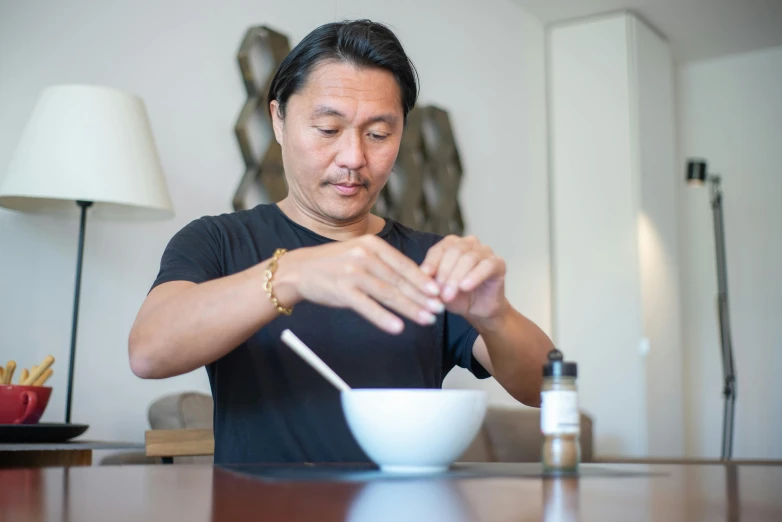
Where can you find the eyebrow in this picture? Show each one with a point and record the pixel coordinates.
(324, 110)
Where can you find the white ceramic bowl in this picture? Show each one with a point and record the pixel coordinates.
(414, 430)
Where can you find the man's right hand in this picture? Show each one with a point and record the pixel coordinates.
(360, 274)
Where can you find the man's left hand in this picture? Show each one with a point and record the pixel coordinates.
(471, 278)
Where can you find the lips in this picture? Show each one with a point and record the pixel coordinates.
(346, 189)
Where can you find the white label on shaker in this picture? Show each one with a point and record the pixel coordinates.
(559, 412)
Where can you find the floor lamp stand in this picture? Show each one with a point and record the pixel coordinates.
(728, 369)
(74, 324)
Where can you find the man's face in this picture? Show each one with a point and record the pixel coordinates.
(340, 138)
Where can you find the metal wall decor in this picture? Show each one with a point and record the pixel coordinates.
(261, 52)
(422, 191)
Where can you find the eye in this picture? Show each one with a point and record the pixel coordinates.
(328, 132)
(378, 137)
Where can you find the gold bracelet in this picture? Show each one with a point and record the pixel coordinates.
(267, 275)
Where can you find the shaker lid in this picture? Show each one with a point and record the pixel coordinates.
(557, 367)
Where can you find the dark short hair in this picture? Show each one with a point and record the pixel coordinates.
(362, 43)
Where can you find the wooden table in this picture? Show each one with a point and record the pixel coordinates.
(195, 493)
(69, 453)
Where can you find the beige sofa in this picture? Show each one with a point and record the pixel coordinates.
(507, 435)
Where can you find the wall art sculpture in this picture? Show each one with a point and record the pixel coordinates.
(261, 52)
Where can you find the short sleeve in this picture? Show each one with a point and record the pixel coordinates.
(193, 254)
(460, 337)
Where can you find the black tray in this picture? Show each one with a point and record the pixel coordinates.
(41, 432)
(370, 472)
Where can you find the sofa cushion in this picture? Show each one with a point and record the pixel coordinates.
(479, 450)
(182, 411)
(514, 434)
(507, 434)
(197, 411)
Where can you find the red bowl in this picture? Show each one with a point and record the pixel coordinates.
(23, 404)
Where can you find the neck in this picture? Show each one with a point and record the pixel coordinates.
(339, 231)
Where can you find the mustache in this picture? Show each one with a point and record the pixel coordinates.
(339, 178)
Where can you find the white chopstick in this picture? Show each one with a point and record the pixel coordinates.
(313, 360)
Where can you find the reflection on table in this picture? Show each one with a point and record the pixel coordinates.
(195, 493)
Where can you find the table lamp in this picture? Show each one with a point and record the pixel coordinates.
(86, 147)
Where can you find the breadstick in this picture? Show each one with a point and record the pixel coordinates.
(25, 374)
(39, 370)
(9, 372)
(2, 373)
(43, 377)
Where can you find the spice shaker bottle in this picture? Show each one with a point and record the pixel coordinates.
(559, 415)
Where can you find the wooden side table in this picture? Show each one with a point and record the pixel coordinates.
(70, 453)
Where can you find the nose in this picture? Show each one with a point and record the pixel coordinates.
(351, 152)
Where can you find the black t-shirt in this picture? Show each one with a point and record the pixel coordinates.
(270, 406)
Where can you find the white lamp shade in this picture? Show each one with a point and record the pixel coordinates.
(87, 143)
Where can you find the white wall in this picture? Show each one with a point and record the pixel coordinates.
(483, 62)
(615, 238)
(731, 114)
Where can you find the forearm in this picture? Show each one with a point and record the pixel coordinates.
(517, 348)
(200, 323)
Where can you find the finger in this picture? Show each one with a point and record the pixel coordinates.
(379, 269)
(463, 266)
(392, 298)
(487, 268)
(432, 304)
(435, 254)
(449, 260)
(374, 313)
(403, 265)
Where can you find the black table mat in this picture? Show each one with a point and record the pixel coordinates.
(369, 472)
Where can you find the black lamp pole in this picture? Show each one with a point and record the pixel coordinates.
(697, 175)
(74, 324)
(728, 369)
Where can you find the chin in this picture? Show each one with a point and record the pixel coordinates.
(347, 210)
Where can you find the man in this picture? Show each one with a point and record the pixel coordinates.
(383, 305)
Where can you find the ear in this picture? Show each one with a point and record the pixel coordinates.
(277, 122)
